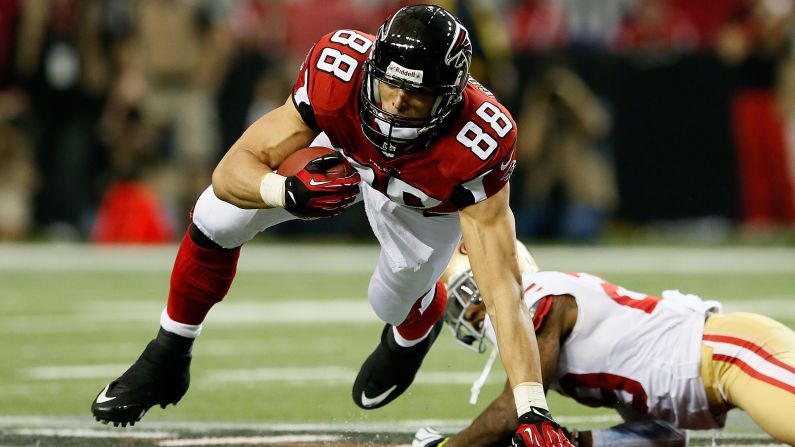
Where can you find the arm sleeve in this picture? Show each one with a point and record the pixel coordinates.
(300, 95)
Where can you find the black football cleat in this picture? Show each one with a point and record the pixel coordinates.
(390, 369)
(160, 376)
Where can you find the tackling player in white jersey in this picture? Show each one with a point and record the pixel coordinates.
(665, 364)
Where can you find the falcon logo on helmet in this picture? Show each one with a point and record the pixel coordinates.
(460, 51)
(421, 49)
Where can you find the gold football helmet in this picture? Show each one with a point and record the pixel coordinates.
(462, 292)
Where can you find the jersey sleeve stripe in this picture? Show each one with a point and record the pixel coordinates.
(469, 192)
(475, 186)
(304, 105)
(544, 306)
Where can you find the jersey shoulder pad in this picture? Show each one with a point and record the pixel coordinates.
(331, 73)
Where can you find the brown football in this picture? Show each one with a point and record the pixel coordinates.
(298, 160)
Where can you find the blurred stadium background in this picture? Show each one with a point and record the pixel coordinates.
(655, 149)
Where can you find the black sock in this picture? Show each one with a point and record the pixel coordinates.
(174, 342)
(202, 240)
(391, 343)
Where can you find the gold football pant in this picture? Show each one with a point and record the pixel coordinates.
(748, 362)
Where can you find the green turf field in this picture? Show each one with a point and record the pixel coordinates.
(280, 354)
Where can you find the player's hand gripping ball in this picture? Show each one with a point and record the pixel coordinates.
(320, 183)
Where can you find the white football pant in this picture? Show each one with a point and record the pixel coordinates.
(414, 249)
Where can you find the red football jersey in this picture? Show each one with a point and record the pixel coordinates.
(470, 160)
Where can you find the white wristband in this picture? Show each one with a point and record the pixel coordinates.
(529, 394)
(271, 188)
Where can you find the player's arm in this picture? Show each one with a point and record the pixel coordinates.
(489, 234)
(496, 424)
(493, 427)
(259, 150)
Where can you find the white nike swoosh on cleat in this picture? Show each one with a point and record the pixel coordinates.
(316, 183)
(370, 402)
(103, 396)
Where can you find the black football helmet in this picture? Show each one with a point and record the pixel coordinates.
(423, 49)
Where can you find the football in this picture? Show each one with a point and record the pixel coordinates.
(296, 161)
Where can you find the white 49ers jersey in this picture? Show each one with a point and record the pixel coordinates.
(637, 353)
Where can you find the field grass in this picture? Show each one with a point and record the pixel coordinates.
(286, 344)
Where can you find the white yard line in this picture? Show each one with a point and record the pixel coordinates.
(88, 433)
(283, 311)
(318, 375)
(333, 375)
(168, 439)
(361, 258)
(247, 440)
(74, 372)
(278, 309)
(74, 426)
(406, 426)
(779, 307)
(321, 375)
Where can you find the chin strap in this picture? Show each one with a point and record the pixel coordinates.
(478, 384)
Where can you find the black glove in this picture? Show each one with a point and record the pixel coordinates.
(428, 437)
(538, 429)
(313, 193)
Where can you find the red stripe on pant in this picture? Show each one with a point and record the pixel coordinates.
(748, 369)
(417, 323)
(200, 278)
(751, 346)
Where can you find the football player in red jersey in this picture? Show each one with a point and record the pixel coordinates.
(665, 364)
(433, 151)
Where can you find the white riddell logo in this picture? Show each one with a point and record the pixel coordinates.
(368, 402)
(315, 183)
(397, 71)
(103, 396)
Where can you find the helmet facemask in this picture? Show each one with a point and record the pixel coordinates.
(462, 293)
(392, 133)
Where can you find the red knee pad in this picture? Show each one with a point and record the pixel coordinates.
(418, 322)
(200, 278)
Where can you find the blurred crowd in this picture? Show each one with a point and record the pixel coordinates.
(113, 113)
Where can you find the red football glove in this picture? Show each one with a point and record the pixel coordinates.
(312, 194)
(538, 429)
